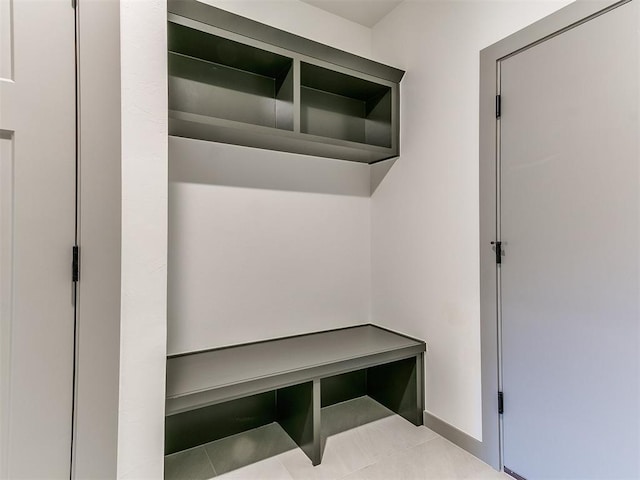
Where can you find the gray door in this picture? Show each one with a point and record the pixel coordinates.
(37, 224)
(570, 220)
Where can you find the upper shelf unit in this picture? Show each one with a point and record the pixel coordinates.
(237, 81)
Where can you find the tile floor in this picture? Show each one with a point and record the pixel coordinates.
(362, 441)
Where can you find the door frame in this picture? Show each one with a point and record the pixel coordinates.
(490, 449)
(99, 225)
(97, 312)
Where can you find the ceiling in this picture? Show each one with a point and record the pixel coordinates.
(364, 12)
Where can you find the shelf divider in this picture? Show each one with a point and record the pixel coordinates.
(298, 413)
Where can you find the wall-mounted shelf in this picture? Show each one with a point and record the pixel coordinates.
(341, 106)
(233, 80)
(220, 78)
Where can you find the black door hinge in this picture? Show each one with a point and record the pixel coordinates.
(500, 403)
(498, 106)
(75, 264)
(498, 249)
(74, 4)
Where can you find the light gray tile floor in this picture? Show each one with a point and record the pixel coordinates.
(362, 441)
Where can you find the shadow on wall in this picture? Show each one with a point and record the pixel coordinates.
(197, 161)
(379, 171)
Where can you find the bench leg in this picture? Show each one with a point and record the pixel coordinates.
(298, 413)
(398, 386)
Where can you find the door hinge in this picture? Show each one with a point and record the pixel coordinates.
(500, 403)
(74, 4)
(498, 106)
(75, 264)
(497, 247)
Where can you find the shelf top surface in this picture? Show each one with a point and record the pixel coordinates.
(212, 369)
(220, 18)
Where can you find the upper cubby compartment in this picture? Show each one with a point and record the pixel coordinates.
(234, 80)
(217, 77)
(336, 105)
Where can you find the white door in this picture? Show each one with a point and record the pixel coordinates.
(570, 223)
(37, 220)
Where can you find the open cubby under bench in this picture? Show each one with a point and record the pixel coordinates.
(216, 393)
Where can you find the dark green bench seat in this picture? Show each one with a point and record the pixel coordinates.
(215, 393)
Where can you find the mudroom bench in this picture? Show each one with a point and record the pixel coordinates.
(216, 393)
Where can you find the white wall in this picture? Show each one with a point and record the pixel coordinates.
(425, 257)
(265, 244)
(144, 239)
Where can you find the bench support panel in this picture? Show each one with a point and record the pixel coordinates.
(398, 386)
(298, 413)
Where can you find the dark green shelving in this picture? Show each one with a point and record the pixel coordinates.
(237, 81)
